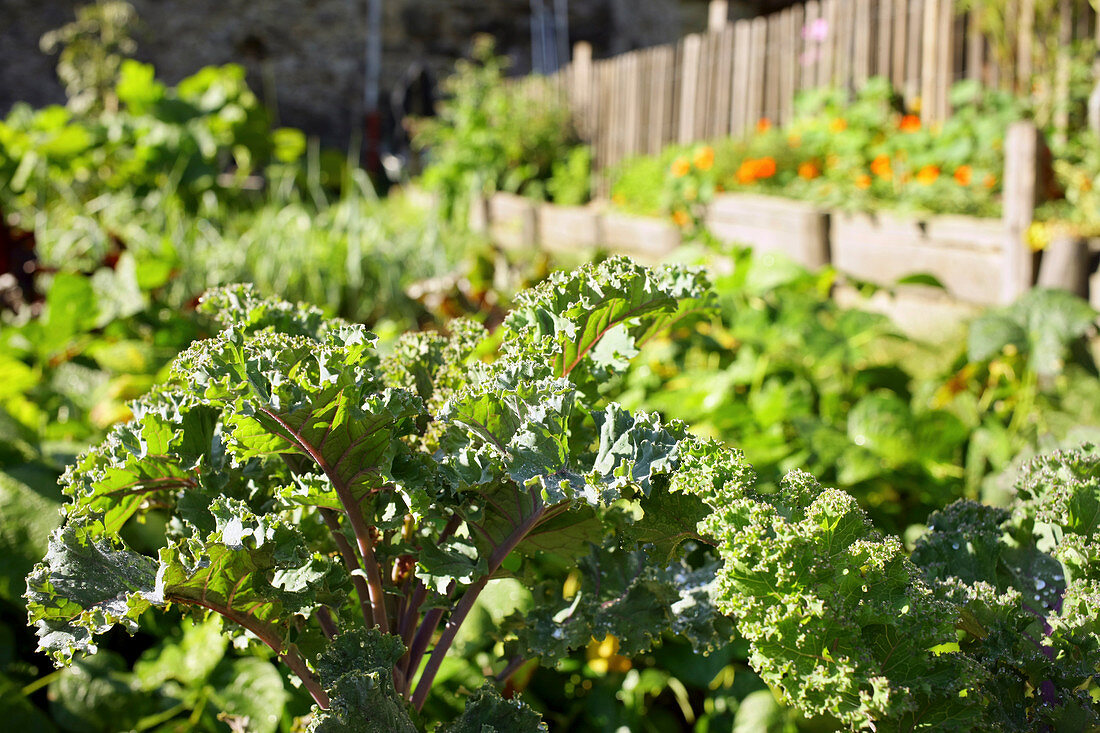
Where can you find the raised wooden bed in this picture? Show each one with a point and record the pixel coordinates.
(770, 224)
(512, 220)
(644, 238)
(568, 228)
(968, 255)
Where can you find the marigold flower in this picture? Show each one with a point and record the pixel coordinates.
(681, 218)
(963, 175)
(746, 172)
(928, 175)
(882, 167)
(809, 170)
(763, 125)
(863, 181)
(765, 167)
(704, 158)
(838, 125)
(909, 123)
(680, 167)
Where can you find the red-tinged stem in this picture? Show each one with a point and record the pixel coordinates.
(290, 656)
(355, 516)
(420, 645)
(374, 575)
(352, 563)
(466, 603)
(510, 669)
(328, 624)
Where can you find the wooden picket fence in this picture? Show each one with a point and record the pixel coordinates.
(722, 82)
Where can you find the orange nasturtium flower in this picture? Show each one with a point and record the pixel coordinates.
(882, 167)
(963, 175)
(863, 181)
(746, 172)
(928, 175)
(909, 123)
(809, 170)
(680, 167)
(681, 218)
(838, 125)
(990, 180)
(704, 158)
(763, 125)
(765, 167)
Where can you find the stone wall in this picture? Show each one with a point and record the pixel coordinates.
(306, 57)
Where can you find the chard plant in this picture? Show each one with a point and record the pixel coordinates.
(348, 510)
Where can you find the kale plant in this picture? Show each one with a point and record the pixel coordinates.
(347, 509)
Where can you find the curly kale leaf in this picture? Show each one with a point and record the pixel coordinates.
(487, 712)
(626, 594)
(357, 672)
(601, 313)
(836, 616)
(251, 569)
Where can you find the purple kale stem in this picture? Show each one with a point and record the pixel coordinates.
(354, 515)
(466, 603)
(328, 624)
(352, 563)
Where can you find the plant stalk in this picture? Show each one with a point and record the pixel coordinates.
(466, 603)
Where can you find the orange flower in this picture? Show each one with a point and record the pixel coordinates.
(928, 175)
(963, 175)
(909, 123)
(746, 172)
(680, 167)
(882, 167)
(765, 167)
(808, 170)
(704, 158)
(838, 125)
(990, 180)
(763, 125)
(681, 218)
(863, 181)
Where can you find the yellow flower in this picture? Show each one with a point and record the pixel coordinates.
(863, 181)
(704, 158)
(680, 167)
(838, 125)
(928, 175)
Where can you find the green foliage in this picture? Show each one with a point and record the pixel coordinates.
(92, 49)
(797, 382)
(866, 152)
(493, 135)
(314, 502)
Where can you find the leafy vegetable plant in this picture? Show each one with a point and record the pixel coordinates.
(348, 510)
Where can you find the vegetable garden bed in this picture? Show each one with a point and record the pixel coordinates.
(771, 224)
(967, 255)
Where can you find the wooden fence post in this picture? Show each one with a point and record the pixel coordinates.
(1094, 98)
(580, 90)
(718, 13)
(1023, 147)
